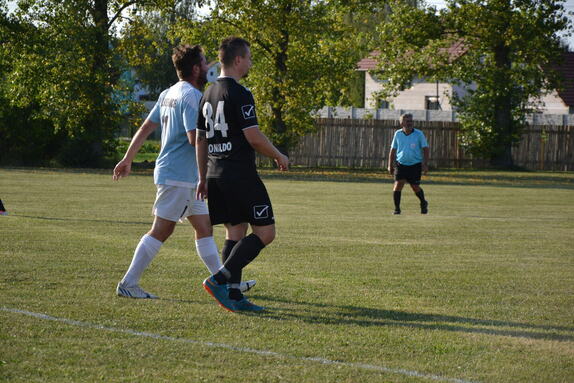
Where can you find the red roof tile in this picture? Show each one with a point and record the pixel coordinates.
(368, 63)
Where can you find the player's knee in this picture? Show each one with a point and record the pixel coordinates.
(203, 231)
(161, 235)
(266, 234)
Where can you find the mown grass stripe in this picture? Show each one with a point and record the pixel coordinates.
(236, 348)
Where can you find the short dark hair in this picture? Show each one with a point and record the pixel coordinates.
(184, 57)
(232, 47)
(405, 115)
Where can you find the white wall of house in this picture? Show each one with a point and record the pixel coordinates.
(414, 98)
(553, 104)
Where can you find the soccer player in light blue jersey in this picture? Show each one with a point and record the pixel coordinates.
(175, 174)
(408, 158)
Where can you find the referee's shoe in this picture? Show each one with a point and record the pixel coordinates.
(424, 207)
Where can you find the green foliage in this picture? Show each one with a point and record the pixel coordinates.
(353, 94)
(303, 55)
(147, 42)
(62, 70)
(503, 45)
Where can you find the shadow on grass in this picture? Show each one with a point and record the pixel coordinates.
(318, 313)
(436, 179)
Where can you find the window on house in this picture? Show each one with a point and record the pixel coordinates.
(432, 103)
(382, 104)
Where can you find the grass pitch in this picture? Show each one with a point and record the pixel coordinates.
(479, 290)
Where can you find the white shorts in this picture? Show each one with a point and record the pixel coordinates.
(175, 203)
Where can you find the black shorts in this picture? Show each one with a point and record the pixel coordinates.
(239, 200)
(412, 173)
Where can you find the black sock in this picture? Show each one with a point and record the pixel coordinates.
(220, 278)
(226, 250)
(397, 198)
(235, 294)
(242, 254)
(421, 195)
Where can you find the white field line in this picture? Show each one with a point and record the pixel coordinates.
(361, 366)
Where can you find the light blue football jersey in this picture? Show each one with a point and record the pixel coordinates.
(176, 110)
(409, 148)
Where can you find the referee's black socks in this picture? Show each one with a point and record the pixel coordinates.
(421, 195)
(397, 199)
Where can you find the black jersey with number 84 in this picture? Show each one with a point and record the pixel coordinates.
(226, 109)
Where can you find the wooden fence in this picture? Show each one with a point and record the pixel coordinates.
(357, 143)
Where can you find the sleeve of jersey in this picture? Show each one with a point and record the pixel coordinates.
(189, 110)
(155, 114)
(247, 117)
(394, 143)
(200, 117)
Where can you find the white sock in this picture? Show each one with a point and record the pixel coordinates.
(143, 255)
(207, 251)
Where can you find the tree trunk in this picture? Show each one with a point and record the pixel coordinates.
(277, 100)
(503, 121)
(97, 125)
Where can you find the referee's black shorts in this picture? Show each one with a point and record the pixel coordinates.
(410, 173)
(239, 200)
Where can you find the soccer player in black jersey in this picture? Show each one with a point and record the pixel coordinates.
(227, 137)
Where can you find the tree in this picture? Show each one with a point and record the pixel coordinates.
(148, 39)
(25, 140)
(507, 49)
(303, 54)
(65, 66)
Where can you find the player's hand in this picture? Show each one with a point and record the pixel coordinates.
(122, 169)
(391, 170)
(425, 169)
(282, 162)
(201, 190)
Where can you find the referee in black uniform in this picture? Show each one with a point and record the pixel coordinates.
(227, 137)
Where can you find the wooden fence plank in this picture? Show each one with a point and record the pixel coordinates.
(358, 143)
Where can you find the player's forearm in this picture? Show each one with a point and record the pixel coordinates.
(138, 139)
(201, 153)
(426, 155)
(392, 158)
(261, 144)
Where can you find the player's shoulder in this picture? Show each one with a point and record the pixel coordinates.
(190, 93)
(239, 88)
(163, 94)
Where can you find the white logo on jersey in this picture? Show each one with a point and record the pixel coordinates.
(248, 111)
(219, 148)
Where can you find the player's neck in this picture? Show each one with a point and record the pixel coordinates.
(230, 72)
(192, 81)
